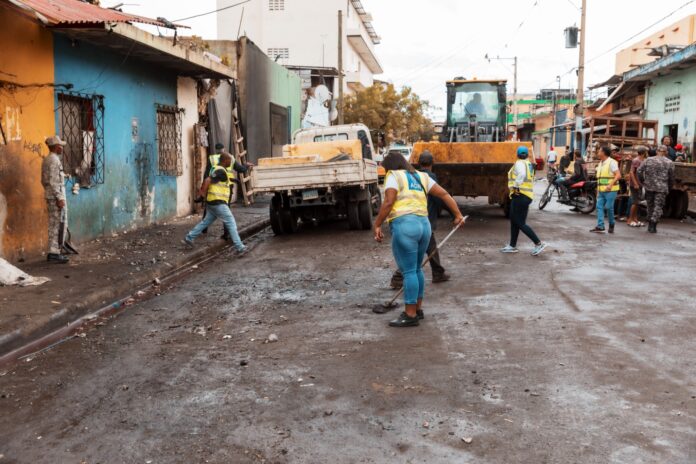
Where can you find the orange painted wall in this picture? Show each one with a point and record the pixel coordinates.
(27, 118)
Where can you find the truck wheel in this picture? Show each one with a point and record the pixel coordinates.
(376, 200)
(288, 220)
(365, 214)
(274, 211)
(353, 215)
(680, 204)
(668, 209)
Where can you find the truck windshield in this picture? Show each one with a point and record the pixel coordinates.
(479, 99)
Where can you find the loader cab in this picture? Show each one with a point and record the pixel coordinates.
(476, 111)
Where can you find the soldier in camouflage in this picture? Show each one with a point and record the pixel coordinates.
(53, 181)
(657, 175)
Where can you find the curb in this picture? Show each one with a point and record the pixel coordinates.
(69, 319)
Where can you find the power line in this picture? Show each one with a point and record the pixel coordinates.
(211, 12)
(529, 13)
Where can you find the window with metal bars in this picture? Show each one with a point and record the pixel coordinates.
(169, 158)
(672, 103)
(276, 5)
(81, 126)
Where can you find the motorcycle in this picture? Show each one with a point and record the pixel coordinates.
(582, 195)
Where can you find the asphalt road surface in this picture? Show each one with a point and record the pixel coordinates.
(582, 355)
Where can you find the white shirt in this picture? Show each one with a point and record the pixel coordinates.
(520, 172)
(551, 157)
(391, 183)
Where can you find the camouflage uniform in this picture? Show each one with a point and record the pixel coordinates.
(53, 181)
(657, 175)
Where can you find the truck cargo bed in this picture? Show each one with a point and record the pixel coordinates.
(334, 174)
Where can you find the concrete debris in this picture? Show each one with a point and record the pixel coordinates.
(272, 338)
(200, 331)
(226, 337)
(139, 293)
(467, 440)
(10, 275)
(156, 282)
(328, 413)
(243, 362)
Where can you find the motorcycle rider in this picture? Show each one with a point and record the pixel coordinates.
(574, 173)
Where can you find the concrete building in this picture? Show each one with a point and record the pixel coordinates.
(88, 74)
(304, 33)
(681, 33)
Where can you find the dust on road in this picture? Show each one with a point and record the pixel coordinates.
(578, 356)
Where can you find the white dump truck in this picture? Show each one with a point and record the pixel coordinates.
(326, 173)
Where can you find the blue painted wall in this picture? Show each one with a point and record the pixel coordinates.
(133, 194)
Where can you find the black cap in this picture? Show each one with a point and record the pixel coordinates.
(219, 146)
(426, 158)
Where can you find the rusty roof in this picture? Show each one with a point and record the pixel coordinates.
(77, 12)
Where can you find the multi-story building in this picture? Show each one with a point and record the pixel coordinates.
(304, 35)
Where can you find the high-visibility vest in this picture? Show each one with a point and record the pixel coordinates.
(527, 187)
(605, 176)
(411, 197)
(215, 161)
(218, 190)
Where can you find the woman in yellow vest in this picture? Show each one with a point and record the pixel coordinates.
(405, 207)
(216, 190)
(608, 176)
(521, 185)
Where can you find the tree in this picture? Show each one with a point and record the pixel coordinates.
(400, 115)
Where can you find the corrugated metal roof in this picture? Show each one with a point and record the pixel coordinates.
(66, 12)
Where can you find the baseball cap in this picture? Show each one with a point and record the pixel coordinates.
(55, 140)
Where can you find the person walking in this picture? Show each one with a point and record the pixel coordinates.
(521, 185)
(608, 175)
(405, 208)
(426, 162)
(53, 181)
(635, 187)
(216, 190)
(657, 175)
(551, 158)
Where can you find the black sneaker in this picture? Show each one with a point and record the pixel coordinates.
(598, 230)
(56, 258)
(404, 320)
(611, 228)
(420, 315)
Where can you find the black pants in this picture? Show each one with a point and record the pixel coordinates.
(519, 208)
(435, 265)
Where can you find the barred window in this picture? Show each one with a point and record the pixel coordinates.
(672, 104)
(169, 157)
(279, 53)
(276, 5)
(81, 126)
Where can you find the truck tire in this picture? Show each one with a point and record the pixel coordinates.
(365, 214)
(353, 215)
(288, 221)
(274, 213)
(680, 204)
(668, 209)
(376, 200)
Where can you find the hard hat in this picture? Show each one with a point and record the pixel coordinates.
(523, 152)
(426, 158)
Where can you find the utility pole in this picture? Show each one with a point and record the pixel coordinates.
(340, 67)
(579, 114)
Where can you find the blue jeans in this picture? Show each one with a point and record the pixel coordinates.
(222, 212)
(605, 200)
(410, 238)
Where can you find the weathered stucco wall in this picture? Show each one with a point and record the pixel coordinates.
(133, 193)
(187, 98)
(26, 116)
(678, 83)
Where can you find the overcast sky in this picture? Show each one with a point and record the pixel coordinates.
(427, 42)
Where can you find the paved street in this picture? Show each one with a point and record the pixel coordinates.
(583, 355)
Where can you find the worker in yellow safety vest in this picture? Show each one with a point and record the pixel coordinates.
(216, 190)
(521, 186)
(405, 207)
(608, 176)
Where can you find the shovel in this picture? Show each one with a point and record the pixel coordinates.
(391, 304)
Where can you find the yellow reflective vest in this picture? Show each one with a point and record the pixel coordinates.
(219, 190)
(214, 161)
(527, 187)
(411, 197)
(605, 176)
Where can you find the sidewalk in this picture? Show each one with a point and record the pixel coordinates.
(105, 271)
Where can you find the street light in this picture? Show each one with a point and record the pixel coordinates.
(514, 93)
